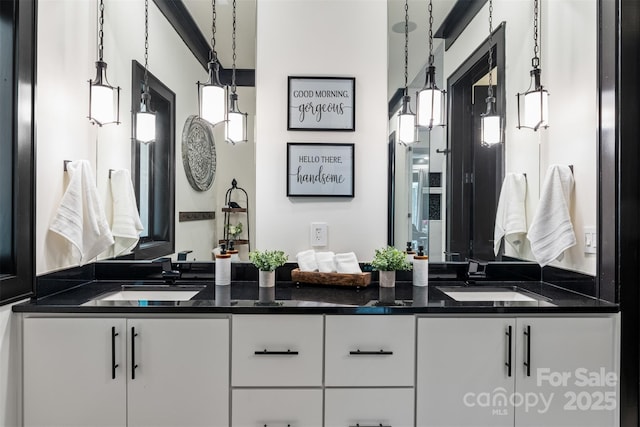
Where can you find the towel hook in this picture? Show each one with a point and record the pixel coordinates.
(111, 170)
(571, 167)
(66, 162)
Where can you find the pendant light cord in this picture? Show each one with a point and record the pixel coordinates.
(406, 45)
(535, 61)
(213, 54)
(490, 89)
(430, 34)
(233, 48)
(146, 45)
(100, 32)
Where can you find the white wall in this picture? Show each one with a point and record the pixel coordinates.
(568, 64)
(322, 38)
(66, 56)
(10, 368)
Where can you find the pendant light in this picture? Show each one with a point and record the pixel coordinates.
(212, 95)
(534, 113)
(104, 99)
(236, 129)
(145, 118)
(491, 130)
(430, 100)
(406, 118)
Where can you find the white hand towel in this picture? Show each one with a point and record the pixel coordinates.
(347, 263)
(307, 260)
(80, 218)
(551, 231)
(325, 262)
(126, 225)
(511, 217)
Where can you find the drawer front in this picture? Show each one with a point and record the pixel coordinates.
(278, 350)
(369, 407)
(276, 408)
(370, 351)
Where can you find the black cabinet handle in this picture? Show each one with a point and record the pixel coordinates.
(266, 352)
(370, 353)
(371, 425)
(508, 364)
(527, 363)
(133, 353)
(266, 425)
(114, 365)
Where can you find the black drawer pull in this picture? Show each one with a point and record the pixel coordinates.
(372, 425)
(266, 352)
(509, 355)
(133, 353)
(527, 363)
(370, 353)
(114, 365)
(266, 425)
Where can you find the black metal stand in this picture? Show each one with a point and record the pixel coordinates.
(232, 207)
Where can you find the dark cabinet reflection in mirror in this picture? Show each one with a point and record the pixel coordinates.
(153, 169)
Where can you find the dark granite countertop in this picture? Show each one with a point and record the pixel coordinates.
(245, 297)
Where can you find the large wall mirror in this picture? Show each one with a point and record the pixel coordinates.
(447, 185)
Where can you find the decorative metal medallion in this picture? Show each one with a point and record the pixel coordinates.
(198, 153)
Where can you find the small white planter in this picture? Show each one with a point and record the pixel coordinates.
(267, 279)
(387, 279)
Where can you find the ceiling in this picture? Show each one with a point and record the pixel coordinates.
(201, 11)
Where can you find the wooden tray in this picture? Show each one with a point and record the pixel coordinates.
(335, 279)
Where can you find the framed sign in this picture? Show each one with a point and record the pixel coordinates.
(321, 103)
(320, 170)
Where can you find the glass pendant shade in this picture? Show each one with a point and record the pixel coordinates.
(104, 99)
(145, 125)
(212, 97)
(535, 113)
(406, 123)
(490, 130)
(236, 130)
(430, 103)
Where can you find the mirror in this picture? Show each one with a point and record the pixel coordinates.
(569, 71)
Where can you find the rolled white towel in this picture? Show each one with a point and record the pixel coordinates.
(347, 263)
(325, 262)
(307, 260)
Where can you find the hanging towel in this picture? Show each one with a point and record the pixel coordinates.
(551, 231)
(511, 217)
(347, 263)
(80, 218)
(126, 225)
(307, 260)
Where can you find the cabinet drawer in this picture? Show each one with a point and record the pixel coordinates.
(369, 407)
(369, 351)
(278, 350)
(276, 408)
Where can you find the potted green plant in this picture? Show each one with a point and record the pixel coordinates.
(267, 262)
(386, 261)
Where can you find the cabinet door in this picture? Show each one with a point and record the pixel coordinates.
(69, 375)
(365, 351)
(178, 372)
(572, 375)
(277, 350)
(369, 407)
(276, 408)
(463, 377)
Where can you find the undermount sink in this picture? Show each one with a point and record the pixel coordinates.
(155, 293)
(490, 294)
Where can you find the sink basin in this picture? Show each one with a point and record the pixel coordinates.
(151, 293)
(490, 294)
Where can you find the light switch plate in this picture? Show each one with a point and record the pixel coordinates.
(590, 240)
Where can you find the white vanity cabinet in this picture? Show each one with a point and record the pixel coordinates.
(369, 370)
(519, 371)
(277, 407)
(126, 372)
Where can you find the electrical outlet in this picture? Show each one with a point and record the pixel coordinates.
(590, 240)
(319, 231)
